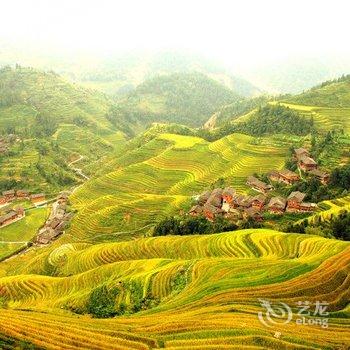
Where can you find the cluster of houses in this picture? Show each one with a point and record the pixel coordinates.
(57, 221)
(228, 203)
(307, 164)
(12, 216)
(11, 195)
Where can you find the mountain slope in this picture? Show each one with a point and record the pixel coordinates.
(123, 73)
(334, 93)
(31, 98)
(185, 98)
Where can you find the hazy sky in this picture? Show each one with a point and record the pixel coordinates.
(237, 32)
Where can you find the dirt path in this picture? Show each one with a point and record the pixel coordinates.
(79, 171)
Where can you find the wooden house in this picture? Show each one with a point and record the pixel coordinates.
(10, 195)
(241, 201)
(306, 163)
(301, 152)
(37, 198)
(11, 216)
(322, 176)
(258, 185)
(288, 177)
(307, 207)
(228, 194)
(258, 202)
(22, 194)
(215, 198)
(196, 210)
(252, 213)
(202, 199)
(274, 176)
(277, 205)
(211, 211)
(294, 200)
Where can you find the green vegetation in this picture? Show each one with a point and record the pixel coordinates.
(185, 98)
(237, 109)
(33, 103)
(276, 119)
(335, 93)
(192, 225)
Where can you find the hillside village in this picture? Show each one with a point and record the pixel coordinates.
(57, 221)
(232, 205)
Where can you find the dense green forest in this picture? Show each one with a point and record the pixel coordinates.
(185, 98)
(239, 108)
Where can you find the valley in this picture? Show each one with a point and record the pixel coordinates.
(107, 281)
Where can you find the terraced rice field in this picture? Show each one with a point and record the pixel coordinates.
(334, 207)
(206, 291)
(160, 177)
(326, 118)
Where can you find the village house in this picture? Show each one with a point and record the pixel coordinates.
(233, 214)
(22, 194)
(258, 202)
(12, 216)
(253, 213)
(277, 205)
(211, 211)
(307, 164)
(240, 201)
(306, 207)
(258, 185)
(322, 176)
(3, 200)
(196, 210)
(9, 195)
(301, 152)
(227, 198)
(294, 200)
(202, 199)
(286, 176)
(215, 198)
(37, 198)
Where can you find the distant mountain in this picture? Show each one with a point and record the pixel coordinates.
(333, 93)
(297, 74)
(185, 98)
(123, 73)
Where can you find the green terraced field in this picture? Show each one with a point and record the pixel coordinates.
(326, 118)
(204, 293)
(159, 178)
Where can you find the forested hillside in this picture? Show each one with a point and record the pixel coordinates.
(185, 98)
(333, 93)
(34, 103)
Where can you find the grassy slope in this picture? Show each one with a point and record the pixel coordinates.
(208, 288)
